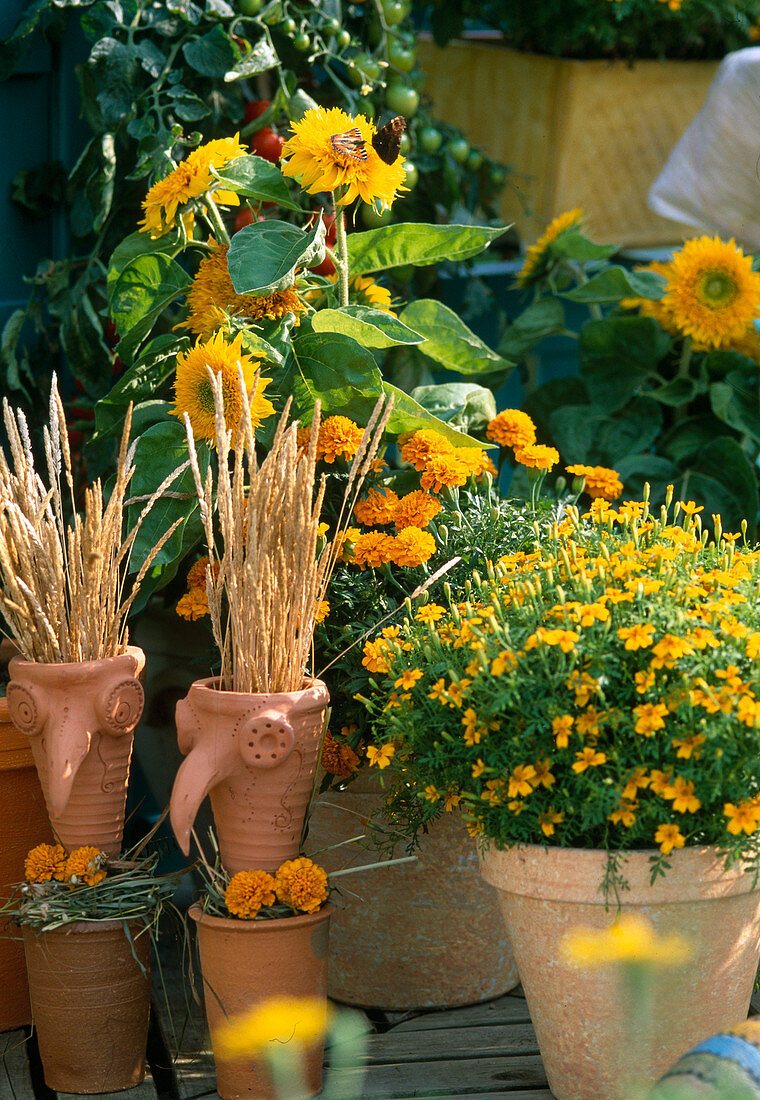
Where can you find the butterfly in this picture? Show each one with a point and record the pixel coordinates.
(387, 141)
(350, 144)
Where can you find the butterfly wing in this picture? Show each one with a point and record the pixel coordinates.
(387, 141)
(350, 144)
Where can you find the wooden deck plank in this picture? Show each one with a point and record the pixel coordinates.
(183, 1028)
(448, 1043)
(447, 1078)
(506, 1010)
(15, 1078)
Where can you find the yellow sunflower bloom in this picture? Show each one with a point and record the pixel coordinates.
(312, 157)
(537, 256)
(192, 387)
(366, 292)
(212, 298)
(713, 294)
(188, 181)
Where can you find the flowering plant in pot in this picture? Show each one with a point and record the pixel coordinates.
(593, 707)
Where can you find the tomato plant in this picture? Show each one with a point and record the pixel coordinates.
(430, 139)
(254, 109)
(267, 144)
(402, 99)
(459, 149)
(401, 56)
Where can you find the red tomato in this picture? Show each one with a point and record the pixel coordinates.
(243, 217)
(327, 267)
(267, 144)
(110, 332)
(255, 109)
(331, 233)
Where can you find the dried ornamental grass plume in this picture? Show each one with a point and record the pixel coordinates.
(45, 862)
(212, 298)
(538, 255)
(62, 582)
(189, 180)
(313, 158)
(271, 578)
(512, 428)
(194, 396)
(713, 294)
(302, 884)
(248, 892)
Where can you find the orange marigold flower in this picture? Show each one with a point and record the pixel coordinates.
(322, 611)
(45, 862)
(301, 884)
(446, 469)
(378, 507)
(420, 446)
(537, 457)
(339, 437)
(412, 546)
(600, 481)
(512, 428)
(193, 605)
(373, 548)
(338, 758)
(85, 865)
(416, 509)
(248, 892)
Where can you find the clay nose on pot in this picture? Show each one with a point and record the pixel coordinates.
(66, 745)
(202, 769)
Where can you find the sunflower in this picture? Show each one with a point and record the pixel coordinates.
(538, 256)
(190, 179)
(314, 160)
(366, 292)
(713, 293)
(212, 298)
(192, 387)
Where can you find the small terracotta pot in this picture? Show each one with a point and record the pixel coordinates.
(579, 1013)
(80, 719)
(90, 991)
(255, 755)
(434, 925)
(245, 963)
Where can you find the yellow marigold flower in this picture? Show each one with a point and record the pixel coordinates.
(338, 758)
(669, 649)
(548, 820)
(416, 509)
(543, 776)
(748, 712)
(631, 939)
(681, 793)
(189, 180)
(588, 758)
(743, 818)
(669, 837)
(313, 158)
(430, 613)
(537, 457)
(412, 546)
(561, 727)
(478, 768)
(439, 692)
(419, 447)
(650, 718)
(45, 862)
(378, 507)
(538, 255)
(520, 781)
(297, 1022)
(624, 815)
(193, 605)
(374, 549)
(637, 779)
(338, 437)
(212, 297)
(367, 292)
(713, 294)
(502, 662)
(453, 798)
(247, 892)
(600, 482)
(322, 611)
(408, 678)
(659, 781)
(457, 692)
(689, 746)
(85, 865)
(193, 393)
(753, 645)
(380, 757)
(301, 884)
(376, 656)
(512, 428)
(644, 681)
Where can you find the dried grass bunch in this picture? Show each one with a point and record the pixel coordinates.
(63, 580)
(266, 583)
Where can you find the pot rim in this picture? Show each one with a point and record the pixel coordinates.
(235, 924)
(84, 927)
(576, 874)
(132, 651)
(208, 685)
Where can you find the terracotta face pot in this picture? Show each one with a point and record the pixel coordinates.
(247, 962)
(256, 756)
(80, 719)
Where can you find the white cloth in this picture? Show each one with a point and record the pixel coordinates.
(712, 177)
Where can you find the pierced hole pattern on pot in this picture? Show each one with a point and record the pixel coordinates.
(123, 707)
(266, 742)
(25, 711)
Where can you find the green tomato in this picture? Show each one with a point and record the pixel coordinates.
(365, 107)
(343, 38)
(250, 7)
(332, 26)
(365, 69)
(373, 220)
(401, 57)
(459, 149)
(474, 160)
(405, 144)
(302, 42)
(402, 99)
(412, 175)
(430, 139)
(288, 26)
(394, 12)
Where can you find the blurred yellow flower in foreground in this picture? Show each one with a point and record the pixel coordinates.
(298, 1021)
(631, 939)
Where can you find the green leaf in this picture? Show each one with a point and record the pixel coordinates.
(264, 257)
(92, 183)
(679, 391)
(82, 340)
(723, 480)
(373, 328)
(114, 69)
(617, 354)
(11, 335)
(337, 371)
(616, 283)
(212, 55)
(559, 392)
(416, 243)
(449, 341)
(140, 383)
(720, 363)
(735, 402)
(463, 405)
(688, 437)
(256, 178)
(635, 429)
(638, 470)
(575, 246)
(143, 290)
(261, 59)
(409, 416)
(138, 244)
(546, 317)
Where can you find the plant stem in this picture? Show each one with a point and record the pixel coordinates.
(685, 360)
(215, 220)
(340, 255)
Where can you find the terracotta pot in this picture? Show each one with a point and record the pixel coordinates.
(23, 824)
(436, 936)
(247, 962)
(579, 1013)
(90, 1001)
(256, 756)
(80, 719)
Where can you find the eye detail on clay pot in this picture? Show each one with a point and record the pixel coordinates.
(266, 743)
(122, 707)
(27, 713)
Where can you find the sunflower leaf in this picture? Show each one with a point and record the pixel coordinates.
(373, 328)
(264, 257)
(143, 290)
(257, 179)
(416, 243)
(339, 372)
(449, 341)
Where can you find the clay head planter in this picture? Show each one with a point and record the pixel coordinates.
(256, 756)
(80, 719)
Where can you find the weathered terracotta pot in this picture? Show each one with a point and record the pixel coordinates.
(578, 1013)
(436, 935)
(80, 719)
(90, 1002)
(23, 824)
(247, 962)
(255, 755)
